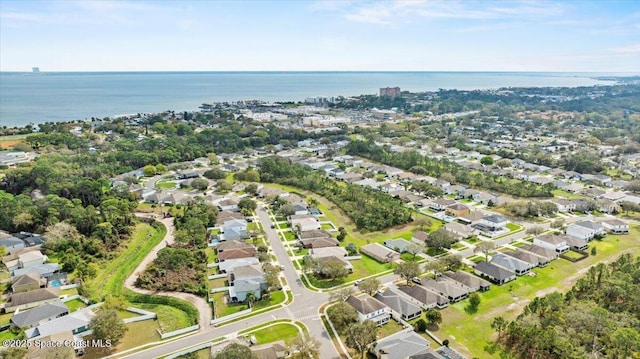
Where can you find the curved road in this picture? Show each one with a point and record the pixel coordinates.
(304, 308)
(203, 307)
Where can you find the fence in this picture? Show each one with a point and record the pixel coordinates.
(216, 276)
(144, 315)
(178, 332)
(230, 317)
(221, 289)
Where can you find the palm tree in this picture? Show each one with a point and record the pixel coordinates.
(250, 298)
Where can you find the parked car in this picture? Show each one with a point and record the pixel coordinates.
(358, 281)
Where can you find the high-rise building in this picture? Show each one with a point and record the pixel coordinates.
(390, 91)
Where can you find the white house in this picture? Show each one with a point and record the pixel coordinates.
(234, 229)
(369, 308)
(494, 221)
(557, 243)
(615, 226)
(305, 224)
(585, 230)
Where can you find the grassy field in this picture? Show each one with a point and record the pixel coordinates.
(75, 304)
(112, 274)
(565, 194)
(12, 140)
(166, 183)
(223, 309)
(470, 333)
(283, 331)
(169, 318)
(138, 333)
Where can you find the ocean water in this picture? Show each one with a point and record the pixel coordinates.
(63, 96)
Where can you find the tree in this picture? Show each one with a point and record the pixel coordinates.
(486, 160)
(247, 204)
(333, 270)
(200, 184)
(626, 342)
(433, 316)
(451, 262)
(407, 270)
(436, 266)
(223, 186)
(342, 234)
(250, 298)
(342, 315)
(107, 326)
(370, 285)
(593, 251)
(235, 351)
(503, 163)
(422, 222)
(440, 239)
(86, 271)
(352, 249)
(251, 189)
(271, 275)
(361, 335)
(215, 174)
(312, 201)
(485, 247)
(305, 346)
(414, 249)
(535, 230)
(474, 301)
(340, 294)
(499, 324)
(420, 326)
(149, 170)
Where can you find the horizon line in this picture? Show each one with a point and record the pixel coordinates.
(317, 71)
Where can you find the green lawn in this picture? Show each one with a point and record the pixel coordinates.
(217, 283)
(138, 333)
(222, 309)
(328, 226)
(7, 334)
(166, 183)
(565, 194)
(289, 236)
(458, 246)
(408, 257)
(470, 333)
(169, 318)
(112, 274)
(283, 331)
(472, 240)
(301, 252)
(513, 227)
(391, 327)
(5, 318)
(75, 304)
(211, 255)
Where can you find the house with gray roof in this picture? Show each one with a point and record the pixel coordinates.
(27, 282)
(585, 230)
(425, 297)
(75, 323)
(529, 257)
(230, 264)
(546, 253)
(405, 308)
(400, 345)
(369, 308)
(245, 279)
(39, 315)
(615, 226)
(399, 245)
(44, 270)
(494, 273)
(446, 287)
(10, 242)
(234, 229)
(575, 243)
(459, 229)
(380, 253)
(469, 280)
(31, 299)
(511, 263)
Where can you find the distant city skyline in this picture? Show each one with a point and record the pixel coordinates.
(412, 35)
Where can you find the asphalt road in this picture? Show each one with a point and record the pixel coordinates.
(304, 308)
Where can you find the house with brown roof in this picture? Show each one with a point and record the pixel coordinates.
(471, 218)
(440, 204)
(471, 281)
(420, 237)
(27, 282)
(236, 253)
(380, 253)
(424, 297)
(369, 308)
(30, 299)
(277, 350)
(457, 210)
(320, 242)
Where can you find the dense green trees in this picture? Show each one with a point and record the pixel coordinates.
(412, 160)
(599, 316)
(371, 210)
(106, 325)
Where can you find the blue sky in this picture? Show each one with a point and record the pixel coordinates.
(430, 35)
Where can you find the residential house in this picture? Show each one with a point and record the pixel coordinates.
(230, 264)
(236, 253)
(493, 272)
(546, 253)
(447, 288)
(336, 258)
(10, 242)
(459, 229)
(399, 245)
(552, 241)
(400, 345)
(564, 205)
(471, 218)
(46, 270)
(30, 239)
(369, 308)
(398, 304)
(39, 315)
(576, 243)
(440, 204)
(484, 198)
(495, 222)
(27, 282)
(380, 253)
(74, 323)
(469, 280)
(615, 226)
(234, 229)
(420, 237)
(457, 210)
(455, 189)
(607, 206)
(425, 297)
(228, 205)
(303, 223)
(245, 279)
(511, 263)
(277, 350)
(31, 259)
(300, 208)
(532, 258)
(585, 230)
(30, 299)
(224, 216)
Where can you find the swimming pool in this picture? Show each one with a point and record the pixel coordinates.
(56, 283)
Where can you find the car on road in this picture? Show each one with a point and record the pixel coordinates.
(416, 280)
(358, 281)
(281, 267)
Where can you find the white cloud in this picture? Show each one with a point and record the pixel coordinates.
(630, 49)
